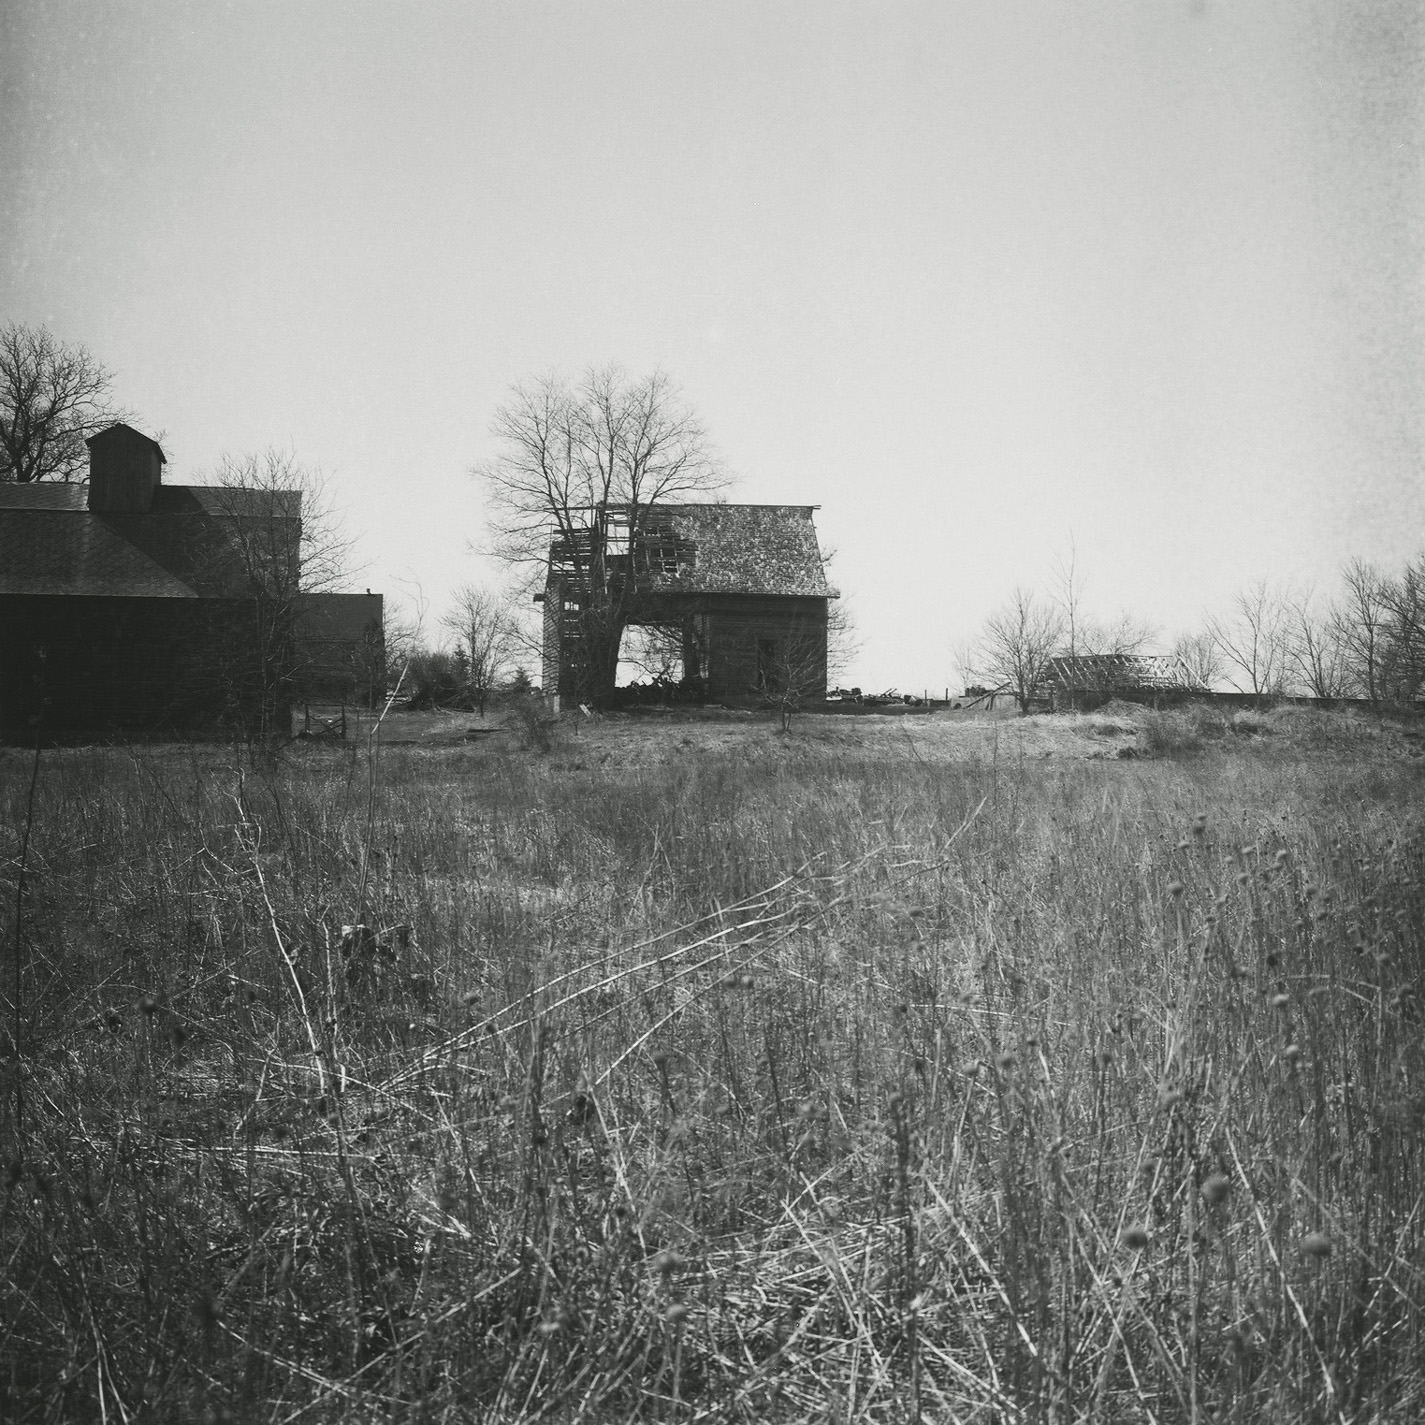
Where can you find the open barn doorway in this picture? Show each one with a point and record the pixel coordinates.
(660, 661)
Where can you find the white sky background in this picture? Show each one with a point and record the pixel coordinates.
(973, 277)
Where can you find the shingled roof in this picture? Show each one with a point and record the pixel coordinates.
(51, 542)
(59, 551)
(737, 549)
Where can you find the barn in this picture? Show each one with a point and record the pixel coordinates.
(131, 608)
(740, 589)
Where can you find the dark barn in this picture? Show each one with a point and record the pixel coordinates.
(739, 589)
(131, 608)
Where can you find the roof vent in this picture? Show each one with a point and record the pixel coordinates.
(125, 468)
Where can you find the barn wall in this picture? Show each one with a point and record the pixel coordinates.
(552, 672)
(79, 667)
(740, 630)
(340, 653)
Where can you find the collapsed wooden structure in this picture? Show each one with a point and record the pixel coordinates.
(740, 588)
(1091, 679)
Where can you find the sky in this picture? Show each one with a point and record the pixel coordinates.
(984, 281)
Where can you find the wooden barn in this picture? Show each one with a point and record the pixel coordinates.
(131, 608)
(740, 589)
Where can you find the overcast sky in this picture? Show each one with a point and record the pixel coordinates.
(976, 278)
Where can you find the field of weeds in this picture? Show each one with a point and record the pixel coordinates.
(777, 1079)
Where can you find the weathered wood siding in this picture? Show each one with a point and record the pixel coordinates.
(81, 667)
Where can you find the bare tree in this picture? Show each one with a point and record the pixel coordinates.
(843, 639)
(1362, 615)
(1084, 633)
(1067, 584)
(1403, 666)
(484, 633)
(1125, 634)
(1315, 650)
(1254, 640)
(275, 539)
(1200, 656)
(52, 397)
(1015, 645)
(578, 469)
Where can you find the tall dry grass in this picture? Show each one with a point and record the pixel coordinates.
(776, 1087)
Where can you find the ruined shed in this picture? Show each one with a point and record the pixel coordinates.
(1087, 680)
(741, 587)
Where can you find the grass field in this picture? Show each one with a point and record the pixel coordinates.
(937, 1068)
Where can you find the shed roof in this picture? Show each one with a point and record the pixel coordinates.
(1124, 671)
(740, 549)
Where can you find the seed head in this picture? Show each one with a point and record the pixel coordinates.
(1216, 1188)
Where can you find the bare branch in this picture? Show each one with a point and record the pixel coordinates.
(52, 397)
(1254, 640)
(1014, 647)
(576, 461)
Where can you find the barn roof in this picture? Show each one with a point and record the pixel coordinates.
(52, 543)
(737, 549)
(58, 551)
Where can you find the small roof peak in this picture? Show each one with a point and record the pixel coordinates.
(125, 431)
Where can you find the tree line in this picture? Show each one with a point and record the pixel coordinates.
(1364, 640)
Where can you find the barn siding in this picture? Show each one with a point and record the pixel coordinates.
(78, 667)
(738, 624)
